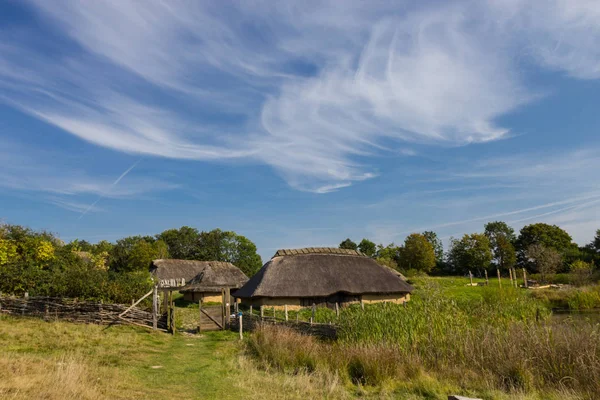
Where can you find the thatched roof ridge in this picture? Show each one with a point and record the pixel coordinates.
(199, 275)
(316, 250)
(322, 273)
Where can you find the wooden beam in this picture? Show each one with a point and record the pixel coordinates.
(136, 303)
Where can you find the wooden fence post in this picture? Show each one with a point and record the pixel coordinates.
(312, 318)
(274, 317)
(173, 327)
(486, 278)
(516, 282)
(228, 307)
(286, 312)
(337, 309)
(471, 278)
(262, 312)
(525, 278)
(223, 300)
(251, 309)
(499, 280)
(240, 322)
(155, 308)
(362, 304)
(510, 275)
(165, 302)
(199, 315)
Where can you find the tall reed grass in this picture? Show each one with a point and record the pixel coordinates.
(501, 341)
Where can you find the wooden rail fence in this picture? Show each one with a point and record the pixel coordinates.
(72, 310)
(251, 322)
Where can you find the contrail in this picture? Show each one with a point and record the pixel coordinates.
(116, 182)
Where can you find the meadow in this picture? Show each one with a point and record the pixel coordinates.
(450, 339)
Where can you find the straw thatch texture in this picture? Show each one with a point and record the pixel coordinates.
(201, 276)
(322, 273)
(214, 276)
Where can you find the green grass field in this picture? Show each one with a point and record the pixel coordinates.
(58, 360)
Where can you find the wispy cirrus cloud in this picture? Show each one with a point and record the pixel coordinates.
(310, 88)
(32, 171)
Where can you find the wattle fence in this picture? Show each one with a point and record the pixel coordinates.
(73, 310)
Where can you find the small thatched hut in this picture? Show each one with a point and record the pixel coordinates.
(322, 276)
(203, 279)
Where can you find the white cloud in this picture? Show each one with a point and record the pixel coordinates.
(315, 88)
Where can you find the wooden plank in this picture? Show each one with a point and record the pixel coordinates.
(136, 303)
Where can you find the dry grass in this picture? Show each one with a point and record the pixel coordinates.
(521, 362)
(40, 360)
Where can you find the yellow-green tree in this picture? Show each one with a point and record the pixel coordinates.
(8, 251)
(417, 253)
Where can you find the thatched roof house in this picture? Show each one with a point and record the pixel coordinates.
(203, 279)
(323, 276)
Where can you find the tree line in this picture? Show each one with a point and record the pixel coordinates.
(135, 253)
(39, 263)
(540, 248)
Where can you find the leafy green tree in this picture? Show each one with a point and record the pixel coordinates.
(387, 255)
(218, 245)
(549, 236)
(596, 242)
(496, 229)
(438, 247)
(367, 247)
(102, 246)
(471, 252)
(417, 253)
(183, 243)
(134, 253)
(501, 238)
(348, 245)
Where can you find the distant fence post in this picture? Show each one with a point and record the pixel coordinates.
(262, 312)
(362, 304)
(274, 317)
(516, 282)
(471, 278)
(525, 278)
(312, 318)
(240, 322)
(486, 278)
(499, 280)
(286, 312)
(337, 309)
(251, 309)
(510, 274)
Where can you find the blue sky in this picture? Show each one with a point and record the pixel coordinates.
(299, 123)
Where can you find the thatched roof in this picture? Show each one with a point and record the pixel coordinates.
(199, 275)
(215, 276)
(324, 272)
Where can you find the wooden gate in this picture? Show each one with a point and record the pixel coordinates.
(211, 318)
